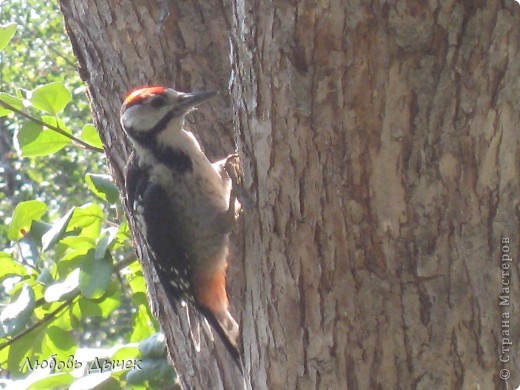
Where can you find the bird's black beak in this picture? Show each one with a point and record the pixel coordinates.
(193, 99)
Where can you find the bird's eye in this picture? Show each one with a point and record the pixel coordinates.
(158, 101)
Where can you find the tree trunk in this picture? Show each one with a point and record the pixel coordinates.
(125, 44)
(380, 144)
(382, 141)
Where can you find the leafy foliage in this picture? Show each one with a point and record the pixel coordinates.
(68, 277)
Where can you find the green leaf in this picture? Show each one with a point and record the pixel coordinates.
(151, 370)
(110, 303)
(143, 327)
(37, 288)
(12, 101)
(95, 381)
(29, 249)
(52, 381)
(123, 236)
(102, 186)
(90, 135)
(87, 308)
(55, 122)
(56, 232)
(106, 240)
(140, 298)
(80, 243)
(51, 98)
(10, 267)
(136, 279)
(23, 215)
(38, 229)
(20, 352)
(154, 346)
(28, 134)
(63, 290)
(95, 275)
(59, 342)
(45, 277)
(33, 141)
(6, 33)
(64, 320)
(89, 218)
(102, 307)
(125, 352)
(16, 315)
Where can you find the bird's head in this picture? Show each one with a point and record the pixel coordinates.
(148, 111)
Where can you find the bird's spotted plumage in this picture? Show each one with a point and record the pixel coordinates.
(181, 203)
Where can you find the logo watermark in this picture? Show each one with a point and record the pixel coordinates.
(98, 365)
(505, 308)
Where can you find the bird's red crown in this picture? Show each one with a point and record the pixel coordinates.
(141, 94)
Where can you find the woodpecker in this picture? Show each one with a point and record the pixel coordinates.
(181, 202)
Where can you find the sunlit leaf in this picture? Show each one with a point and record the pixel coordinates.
(51, 98)
(60, 342)
(126, 351)
(20, 352)
(45, 277)
(95, 275)
(87, 308)
(37, 288)
(12, 101)
(103, 186)
(53, 121)
(28, 249)
(56, 232)
(16, 315)
(64, 320)
(90, 135)
(6, 33)
(63, 290)
(80, 243)
(38, 229)
(10, 267)
(123, 236)
(52, 381)
(34, 141)
(105, 241)
(110, 303)
(23, 215)
(142, 325)
(89, 218)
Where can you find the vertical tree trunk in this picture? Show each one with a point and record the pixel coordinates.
(382, 143)
(125, 44)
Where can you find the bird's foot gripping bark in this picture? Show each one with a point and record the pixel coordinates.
(233, 169)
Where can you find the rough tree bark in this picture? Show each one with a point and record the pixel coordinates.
(380, 141)
(125, 44)
(383, 142)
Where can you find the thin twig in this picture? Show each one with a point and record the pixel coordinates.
(24, 260)
(129, 259)
(79, 142)
(118, 267)
(45, 319)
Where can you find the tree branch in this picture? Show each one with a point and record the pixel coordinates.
(52, 315)
(47, 318)
(78, 141)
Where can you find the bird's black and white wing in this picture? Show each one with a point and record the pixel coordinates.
(151, 209)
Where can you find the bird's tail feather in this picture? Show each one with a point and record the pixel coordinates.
(228, 330)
